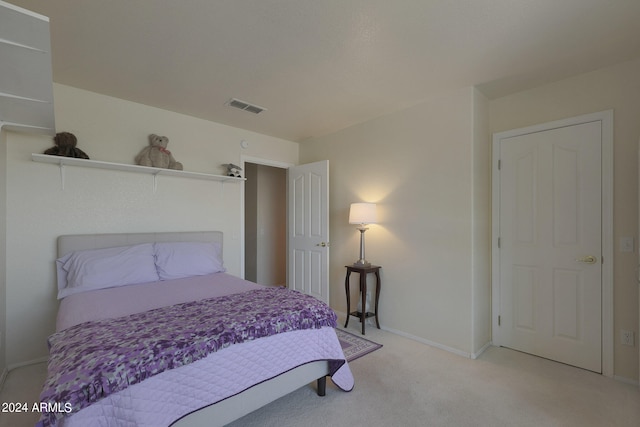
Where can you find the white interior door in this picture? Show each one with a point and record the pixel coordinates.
(550, 244)
(308, 229)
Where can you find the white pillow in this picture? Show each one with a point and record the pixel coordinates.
(82, 271)
(175, 260)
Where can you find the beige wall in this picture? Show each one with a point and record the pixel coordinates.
(616, 88)
(418, 165)
(481, 217)
(105, 201)
(428, 166)
(3, 239)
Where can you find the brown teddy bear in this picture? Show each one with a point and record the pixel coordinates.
(66, 146)
(157, 155)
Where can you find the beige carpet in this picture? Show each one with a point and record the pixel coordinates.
(406, 383)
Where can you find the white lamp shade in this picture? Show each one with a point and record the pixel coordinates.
(363, 213)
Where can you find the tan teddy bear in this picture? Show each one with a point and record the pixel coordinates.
(157, 155)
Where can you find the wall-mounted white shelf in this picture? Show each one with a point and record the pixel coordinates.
(71, 161)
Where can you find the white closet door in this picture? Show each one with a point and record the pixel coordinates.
(550, 244)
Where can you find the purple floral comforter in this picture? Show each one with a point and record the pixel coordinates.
(92, 360)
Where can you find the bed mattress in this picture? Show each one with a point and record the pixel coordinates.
(125, 300)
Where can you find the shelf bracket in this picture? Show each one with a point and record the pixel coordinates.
(62, 176)
(155, 182)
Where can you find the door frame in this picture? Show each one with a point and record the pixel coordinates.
(258, 161)
(606, 119)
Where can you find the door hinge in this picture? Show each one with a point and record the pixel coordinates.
(499, 164)
(499, 320)
(498, 243)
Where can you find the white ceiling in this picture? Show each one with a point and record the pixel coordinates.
(321, 65)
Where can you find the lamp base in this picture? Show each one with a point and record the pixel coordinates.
(362, 263)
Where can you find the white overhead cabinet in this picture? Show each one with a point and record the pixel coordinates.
(26, 82)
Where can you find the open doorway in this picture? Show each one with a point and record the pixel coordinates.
(265, 224)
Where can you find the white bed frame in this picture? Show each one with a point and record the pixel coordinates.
(234, 407)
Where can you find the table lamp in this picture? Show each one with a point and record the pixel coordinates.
(362, 214)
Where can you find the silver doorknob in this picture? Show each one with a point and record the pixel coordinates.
(590, 259)
(323, 244)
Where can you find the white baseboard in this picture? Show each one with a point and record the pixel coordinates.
(3, 377)
(13, 366)
(626, 380)
(482, 350)
(429, 343)
(27, 363)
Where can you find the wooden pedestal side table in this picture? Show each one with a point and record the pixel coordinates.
(363, 272)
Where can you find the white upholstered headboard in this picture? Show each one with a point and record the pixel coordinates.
(79, 242)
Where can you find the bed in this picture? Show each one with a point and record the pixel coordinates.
(209, 347)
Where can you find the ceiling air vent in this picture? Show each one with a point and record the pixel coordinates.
(242, 105)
